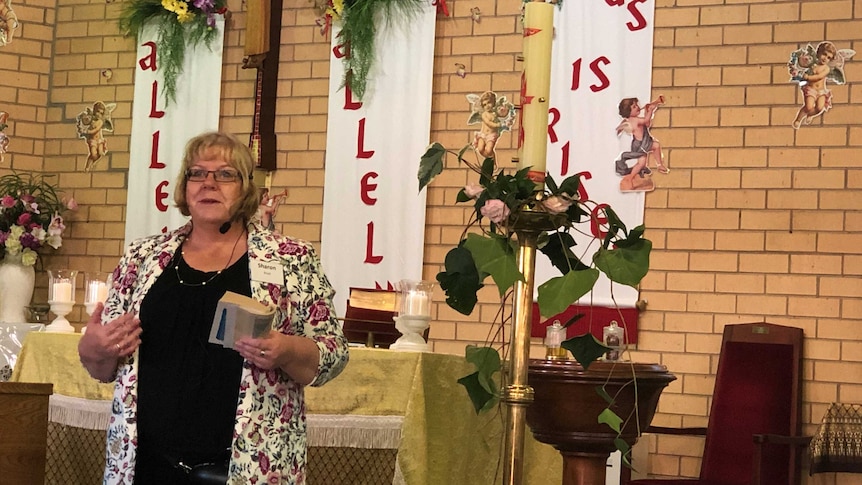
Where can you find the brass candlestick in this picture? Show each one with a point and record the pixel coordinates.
(517, 394)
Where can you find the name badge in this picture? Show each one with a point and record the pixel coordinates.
(268, 272)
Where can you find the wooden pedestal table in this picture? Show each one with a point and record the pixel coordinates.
(566, 407)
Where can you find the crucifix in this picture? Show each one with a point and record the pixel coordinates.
(263, 30)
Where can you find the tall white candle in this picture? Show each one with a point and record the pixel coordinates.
(62, 291)
(536, 89)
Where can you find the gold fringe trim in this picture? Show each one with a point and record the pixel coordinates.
(337, 431)
(80, 413)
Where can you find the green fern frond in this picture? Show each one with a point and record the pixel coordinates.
(359, 30)
(172, 37)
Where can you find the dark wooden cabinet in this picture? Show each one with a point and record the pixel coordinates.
(23, 432)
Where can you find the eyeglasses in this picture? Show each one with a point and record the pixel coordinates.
(221, 175)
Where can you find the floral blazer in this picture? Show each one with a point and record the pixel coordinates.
(269, 442)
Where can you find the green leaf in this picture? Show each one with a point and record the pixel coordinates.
(556, 294)
(480, 385)
(487, 172)
(551, 184)
(614, 222)
(462, 151)
(561, 257)
(585, 348)
(625, 449)
(611, 419)
(572, 320)
(431, 164)
(625, 265)
(570, 186)
(496, 257)
(478, 395)
(604, 394)
(460, 280)
(487, 362)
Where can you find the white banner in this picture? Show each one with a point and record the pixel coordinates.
(601, 54)
(160, 131)
(373, 212)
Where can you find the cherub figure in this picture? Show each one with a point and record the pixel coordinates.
(496, 115)
(812, 68)
(8, 22)
(90, 124)
(268, 207)
(637, 122)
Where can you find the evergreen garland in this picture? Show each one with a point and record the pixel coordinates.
(358, 30)
(179, 24)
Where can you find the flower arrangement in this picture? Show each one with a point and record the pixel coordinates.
(358, 19)
(30, 216)
(180, 23)
(502, 201)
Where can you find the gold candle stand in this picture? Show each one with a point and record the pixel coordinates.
(517, 394)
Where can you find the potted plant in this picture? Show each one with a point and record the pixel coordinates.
(30, 219)
(488, 247)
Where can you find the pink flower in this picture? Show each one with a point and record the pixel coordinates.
(473, 190)
(274, 478)
(72, 204)
(56, 227)
(495, 210)
(263, 460)
(164, 259)
(292, 248)
(557, 204)
(24, 219)
(7, 201)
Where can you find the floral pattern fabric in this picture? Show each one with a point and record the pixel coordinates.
(269, 442)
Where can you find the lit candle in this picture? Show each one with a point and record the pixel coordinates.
(536, 88)
(417, 303)
(97, 292)
(62, 291)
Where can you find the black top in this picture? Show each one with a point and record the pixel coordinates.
(187, 387)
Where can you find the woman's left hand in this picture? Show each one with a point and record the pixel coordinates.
(295, 355)
(265, 352)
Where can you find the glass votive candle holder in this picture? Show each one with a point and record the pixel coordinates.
(61, 285)
(96, 286)
(415, 298)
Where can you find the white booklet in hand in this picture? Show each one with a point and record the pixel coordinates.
(239, 316)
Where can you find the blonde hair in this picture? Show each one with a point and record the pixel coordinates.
(216, 144)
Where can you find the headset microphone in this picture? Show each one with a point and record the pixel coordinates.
(224, 228)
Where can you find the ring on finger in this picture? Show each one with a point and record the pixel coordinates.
(119, 349)
(263, 353)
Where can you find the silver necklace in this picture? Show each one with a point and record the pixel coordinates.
(214, 276)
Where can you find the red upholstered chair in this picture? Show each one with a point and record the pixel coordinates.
(752, 436)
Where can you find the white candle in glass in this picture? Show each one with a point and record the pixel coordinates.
(417, 303)
(97, 292)
(62, 291)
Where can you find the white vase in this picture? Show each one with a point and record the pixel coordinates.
(16, 289)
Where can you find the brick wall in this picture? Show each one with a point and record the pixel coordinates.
(755, 222)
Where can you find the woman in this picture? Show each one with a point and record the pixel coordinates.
(180, 401)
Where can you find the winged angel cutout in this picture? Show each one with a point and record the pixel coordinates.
(90, 124)
(812, 68)
(496, 114)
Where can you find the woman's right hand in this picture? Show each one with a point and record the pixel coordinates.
(101, 346)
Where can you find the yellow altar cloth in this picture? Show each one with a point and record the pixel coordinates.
(441, 440)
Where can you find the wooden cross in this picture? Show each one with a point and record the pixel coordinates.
(262, 31)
